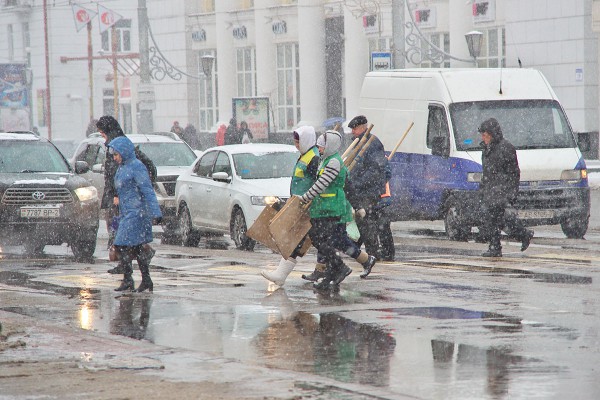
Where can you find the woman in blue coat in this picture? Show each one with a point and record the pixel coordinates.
(138, 207)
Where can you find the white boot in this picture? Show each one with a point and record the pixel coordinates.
(282, 271)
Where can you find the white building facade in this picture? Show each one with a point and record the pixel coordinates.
(308, 57)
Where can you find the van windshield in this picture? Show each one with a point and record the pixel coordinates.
(527, 124)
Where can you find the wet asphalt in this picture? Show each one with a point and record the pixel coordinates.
(440, 322)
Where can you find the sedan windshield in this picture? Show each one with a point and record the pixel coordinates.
(265, 165)
(29, 156)
(527, 124)
(168, 154)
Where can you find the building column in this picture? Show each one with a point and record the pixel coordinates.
(356, 61)
(266, 72)
(225, 58)
(311, 43)
(461, 22)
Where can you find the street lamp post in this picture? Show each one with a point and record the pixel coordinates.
(474, 42)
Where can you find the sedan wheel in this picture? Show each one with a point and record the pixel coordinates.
(238, 231)
(189, 238)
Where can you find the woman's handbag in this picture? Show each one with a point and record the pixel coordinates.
(113, 253)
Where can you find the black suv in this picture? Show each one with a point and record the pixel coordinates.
(43, 201)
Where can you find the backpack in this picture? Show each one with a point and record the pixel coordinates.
(147, 162)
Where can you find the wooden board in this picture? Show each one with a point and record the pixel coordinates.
(259, 230)
(290, 226)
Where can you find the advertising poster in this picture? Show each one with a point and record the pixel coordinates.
(255, 111)
(14, 99)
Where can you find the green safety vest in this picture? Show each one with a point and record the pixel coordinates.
(300, 182)
(332, 202)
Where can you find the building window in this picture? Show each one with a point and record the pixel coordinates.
(11, 42)
(493, 48)
(288, 86)
(26, 42)
(208, 94)
(441, 41)
(246, 72)
(246, 4)
(108, 102)
(123, 30)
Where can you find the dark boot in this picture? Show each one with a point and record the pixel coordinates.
(127, 282)
(526, 239)
(117, 270)
(146, 254)
(317, 274)
(368, 266)
(493, 252)
(340, 273)
(146, 281)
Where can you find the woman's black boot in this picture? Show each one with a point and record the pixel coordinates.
(126, 283)
(146, 281)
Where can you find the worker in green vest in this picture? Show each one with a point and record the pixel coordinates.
(328, 212)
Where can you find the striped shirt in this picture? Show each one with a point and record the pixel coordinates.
(330, 172)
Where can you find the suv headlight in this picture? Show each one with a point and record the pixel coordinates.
(573, 175)
(87, 193)
(263, 200)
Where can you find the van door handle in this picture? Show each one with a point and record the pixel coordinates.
(208, 189)
(190, 187)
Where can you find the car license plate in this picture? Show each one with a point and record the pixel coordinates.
(535, 214)
(47, 212)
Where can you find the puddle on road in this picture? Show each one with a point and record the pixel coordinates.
(21, 279)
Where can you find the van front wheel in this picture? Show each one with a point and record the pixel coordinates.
(576, 226)
(456, 228)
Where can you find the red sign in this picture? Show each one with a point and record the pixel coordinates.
(82, 16)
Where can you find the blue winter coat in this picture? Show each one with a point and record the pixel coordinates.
(137, 200)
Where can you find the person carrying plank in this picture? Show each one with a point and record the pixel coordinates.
(366, 183)
(328, 208)
(304, 176)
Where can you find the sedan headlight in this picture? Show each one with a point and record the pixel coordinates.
(474, 177)
(573, 175)
(87, 193)
(263, 200)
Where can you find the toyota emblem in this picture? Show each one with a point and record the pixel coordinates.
(38, 195)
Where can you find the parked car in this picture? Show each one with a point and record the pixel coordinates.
(228, 187)
(43, 200)
(169, 154)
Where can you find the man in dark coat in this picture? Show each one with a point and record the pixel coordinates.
(366, 184)
(499, 188)
(232, 134)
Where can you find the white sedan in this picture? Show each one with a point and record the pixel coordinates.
(227, 188)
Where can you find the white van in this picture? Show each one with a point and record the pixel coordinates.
(437, 169)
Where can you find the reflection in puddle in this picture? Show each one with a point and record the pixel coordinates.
(328, 345)
(132, 317)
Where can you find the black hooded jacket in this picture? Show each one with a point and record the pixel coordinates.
(501, 174)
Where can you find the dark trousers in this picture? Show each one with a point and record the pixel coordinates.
(387, 249)
(328, 235)
(496, 219)
(141, 253)
(368, 228)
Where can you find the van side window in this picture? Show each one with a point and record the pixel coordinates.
(437, 124)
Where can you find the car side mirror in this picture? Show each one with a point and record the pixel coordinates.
(221, 177)
(440, 146)
(98, 168)
(81, 167)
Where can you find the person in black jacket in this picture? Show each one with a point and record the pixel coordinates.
(499, 188)
(366, 184)
(232, 134)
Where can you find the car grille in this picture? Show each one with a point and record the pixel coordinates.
(22, 196)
